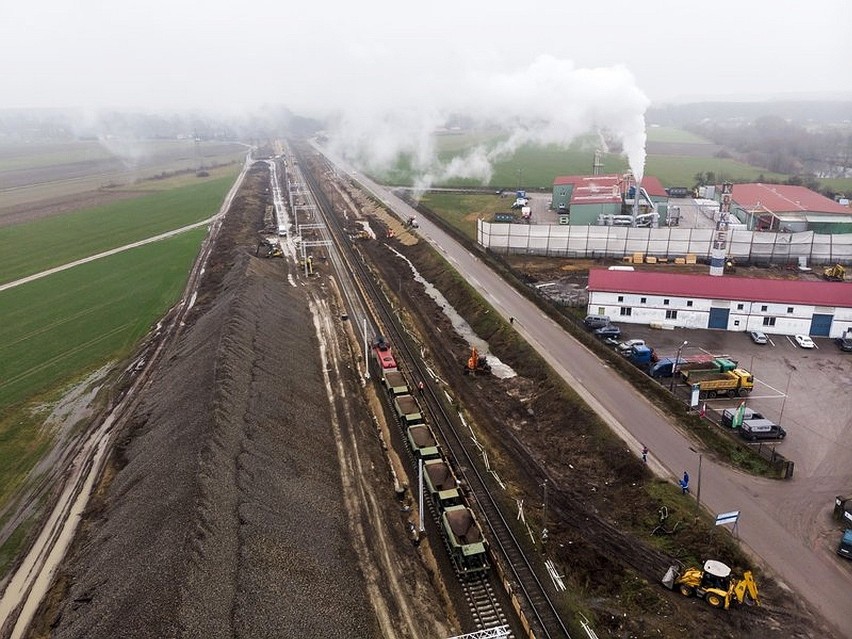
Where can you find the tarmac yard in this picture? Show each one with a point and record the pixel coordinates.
(806, 392)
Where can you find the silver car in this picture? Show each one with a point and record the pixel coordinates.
(758, 337)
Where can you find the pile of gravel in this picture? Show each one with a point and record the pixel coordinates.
(226, 517)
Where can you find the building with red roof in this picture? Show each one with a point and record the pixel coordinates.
(785, 307)
(585, 199)
(782, 207)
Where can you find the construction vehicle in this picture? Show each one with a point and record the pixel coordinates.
(703, 366)
(834, 273)
(269, 247)
(726, 382)
(714, 584)
(476, 363)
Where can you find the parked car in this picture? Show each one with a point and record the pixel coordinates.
(596, 321)
(844, 549)
(629, 344)
(844, 343)
(610, 330)
(758, 337)
(754, 429)
(804, 341)
(665, 367)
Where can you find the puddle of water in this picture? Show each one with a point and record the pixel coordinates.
(498, 368)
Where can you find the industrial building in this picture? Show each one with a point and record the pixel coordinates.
(780, 207)
(776, 306)
(585, 200)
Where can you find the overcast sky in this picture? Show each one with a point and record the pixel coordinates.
(387, 73)
(319, 54)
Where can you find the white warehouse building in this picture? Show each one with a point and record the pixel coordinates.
(783, 307)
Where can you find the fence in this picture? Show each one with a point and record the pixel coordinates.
(668, 242)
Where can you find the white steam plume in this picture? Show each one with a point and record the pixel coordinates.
(548, 102)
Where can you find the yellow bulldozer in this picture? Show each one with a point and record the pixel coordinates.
(834, 273)
(714, 583)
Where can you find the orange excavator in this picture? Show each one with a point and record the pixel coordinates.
(476, 363)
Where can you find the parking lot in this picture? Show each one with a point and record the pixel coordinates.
(806, 391)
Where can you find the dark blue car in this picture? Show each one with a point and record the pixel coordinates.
(610, 330)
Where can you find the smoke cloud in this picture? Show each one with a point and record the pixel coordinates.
(549, 101)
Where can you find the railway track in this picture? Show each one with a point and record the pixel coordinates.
(537, 608)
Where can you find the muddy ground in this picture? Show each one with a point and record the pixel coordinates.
(241, 501)
(603, 504)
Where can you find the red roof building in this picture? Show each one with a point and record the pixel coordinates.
(786, 307)
(783, 198)
(723, 288)
(790, 208)
(588, 197)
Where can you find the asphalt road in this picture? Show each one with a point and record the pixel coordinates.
(772, 516)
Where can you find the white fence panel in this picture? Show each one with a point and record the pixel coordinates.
(618, 241)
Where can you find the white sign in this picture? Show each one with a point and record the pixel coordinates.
(727, 518)
(693, 398)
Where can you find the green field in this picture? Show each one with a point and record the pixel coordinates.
(16, 157)
(22, 156)
(55, 331)
(535, 167)
(461, 210)
(840, 185)
(43, 244)
(669, 134)
(679, 170)
(54, 328)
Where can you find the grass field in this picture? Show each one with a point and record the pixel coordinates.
(77, 319)
(669, 134)
(16, 157)
(460, 209)
(34, 247)
(680, 170)
(183, 179)
(534, 168)
(140, 153)
(840, 185)
(54, 331)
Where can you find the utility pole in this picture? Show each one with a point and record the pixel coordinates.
(698, 489)
(544, 514)
(674, 366)
(786, 392)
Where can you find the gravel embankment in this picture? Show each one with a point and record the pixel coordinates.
(225, 518)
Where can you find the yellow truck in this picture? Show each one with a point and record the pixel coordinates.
(737, 382)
